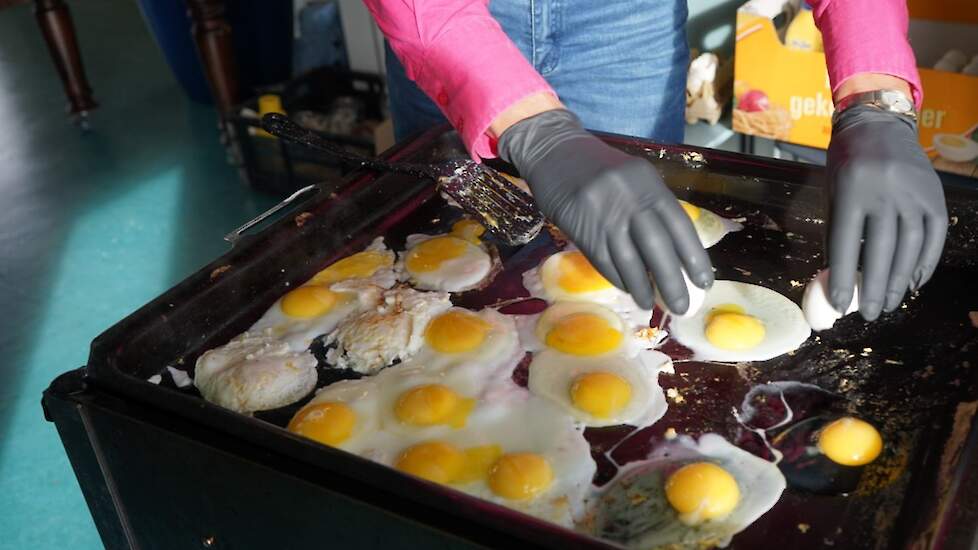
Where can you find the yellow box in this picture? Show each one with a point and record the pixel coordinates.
(784, 93)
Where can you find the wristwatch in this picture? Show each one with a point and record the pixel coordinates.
(893, 101)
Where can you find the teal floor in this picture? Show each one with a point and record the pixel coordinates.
(91, 227)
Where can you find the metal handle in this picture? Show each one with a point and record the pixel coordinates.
(285, 128)
(235, 235)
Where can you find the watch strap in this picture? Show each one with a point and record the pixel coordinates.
(893, 101)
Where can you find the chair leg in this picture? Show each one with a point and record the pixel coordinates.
(213, 37)
(58, 30)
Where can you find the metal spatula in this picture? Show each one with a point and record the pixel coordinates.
(506, 211)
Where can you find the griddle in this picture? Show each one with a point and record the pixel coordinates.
(913, 373)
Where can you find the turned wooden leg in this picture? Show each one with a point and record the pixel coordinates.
(213, 36)
(59, 33)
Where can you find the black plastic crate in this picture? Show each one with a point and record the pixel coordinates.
(346, 106)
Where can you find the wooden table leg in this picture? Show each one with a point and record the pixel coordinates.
(59, 32)
(213, 36)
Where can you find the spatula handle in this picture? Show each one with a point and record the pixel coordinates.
(285, 128)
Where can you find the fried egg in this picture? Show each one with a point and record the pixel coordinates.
(586, 329)
(344, 415)
(710, 227)
(602, 391)
(451, 414)
(688, 493)
(465, 357)
(255, 373)
(392, 331)
(453, 262)
(374, 264)
(349, 285)
(742, 322)
(568, 276)
(311, 310)
(521, 452)
(461, 354)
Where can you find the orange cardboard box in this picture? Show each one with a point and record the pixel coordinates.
(783, 93)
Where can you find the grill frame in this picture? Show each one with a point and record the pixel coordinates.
(145, 342)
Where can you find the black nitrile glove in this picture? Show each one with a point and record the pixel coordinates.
(614, 206)
(881, 188)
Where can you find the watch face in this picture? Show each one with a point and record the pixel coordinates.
(896, 100)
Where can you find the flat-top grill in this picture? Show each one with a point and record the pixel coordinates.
(161, 467)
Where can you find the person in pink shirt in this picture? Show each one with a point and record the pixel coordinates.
(523, 78)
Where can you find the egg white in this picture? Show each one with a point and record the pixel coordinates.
(785, 326)
(712, 228)
(553, 373)
(391, 331)
(633, 509)
(255, 373)
(465, 272)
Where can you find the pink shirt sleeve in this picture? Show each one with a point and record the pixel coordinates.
(459, 55)
(863, 36)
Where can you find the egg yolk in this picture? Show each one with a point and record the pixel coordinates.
(478, 463)
(309, 301)
(850, 442)
(433, 460)
(456, 331)
(577, 275)
(728, 327)
(692, 210)
(358, 266)
(520, 476)
(469, 230)
(429, 255)
(583, 334)
(433, 404)
(329, 423)
(702, 491)
(601, 394)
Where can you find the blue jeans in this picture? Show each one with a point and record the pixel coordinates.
(619, 65)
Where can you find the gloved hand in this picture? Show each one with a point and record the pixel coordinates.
(614, 206)
(881, 188)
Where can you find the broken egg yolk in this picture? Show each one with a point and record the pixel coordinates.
(445, 463)
(600, 394)
(433, 460)
(309, 301)
(431, 254)
(456, 331)
(729, 327)
(584, 334)
(469, 230)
